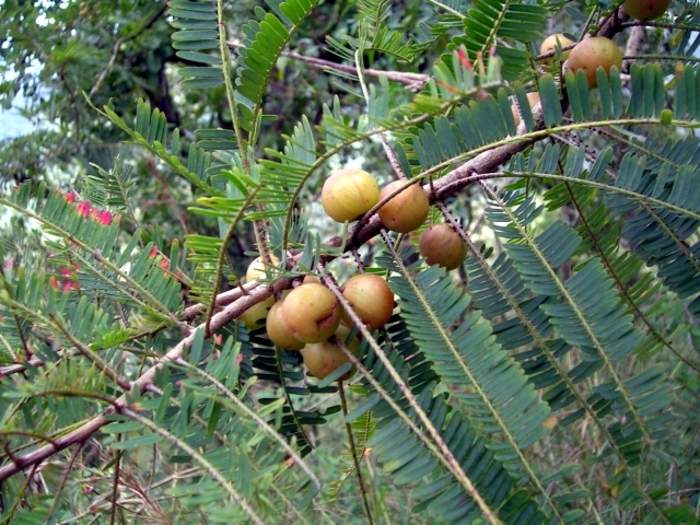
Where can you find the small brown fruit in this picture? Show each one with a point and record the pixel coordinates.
(349, 193)
(371, 298)
(645, 9)
(592, 53)
(256, 269)
(442, 246)
(311, 312)
(254, 315)
(406, 211)
(322, 358)
(533, 98)
(278, 332)
(549, 44)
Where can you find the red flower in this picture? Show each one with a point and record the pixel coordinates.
(104, 217)
(71, 196)
(69, 285)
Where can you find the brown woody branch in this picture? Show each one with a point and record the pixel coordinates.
(439, 191)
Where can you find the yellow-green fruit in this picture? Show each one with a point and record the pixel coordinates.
(278, 332)
(645, 9)
(442, 246)
(549, 44)
(256, 269)
(349, 193)
(322, 358)
(533, 98)
(592, 53)
(311, 312)
(371, 298)
(254, 316)
(405, 211)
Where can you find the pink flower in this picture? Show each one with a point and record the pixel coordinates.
(463, 59)
(71, 196)
(104, 217)
(84, 209)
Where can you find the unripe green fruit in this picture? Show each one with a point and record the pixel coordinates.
(311, 312)
(442, 246)
(645, 9)
(592, 53)
(349, 193)
(405, 211)
(533, 98)
(254, 315)
(256, 269)
(322, 358)
(549, 44)
(278, 332)
(371, 298)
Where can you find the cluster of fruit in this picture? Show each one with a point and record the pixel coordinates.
(591, 53)
(309, 317)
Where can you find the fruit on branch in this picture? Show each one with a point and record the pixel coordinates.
(442, 246)
(371, 298)
(311, 312)
(322, 358)
(256, 269)
(348, 194)
(592, 53)
(406, 211)
(645, 9)
(533, 98)
(254, 316)
(549, 44)
(277, 330)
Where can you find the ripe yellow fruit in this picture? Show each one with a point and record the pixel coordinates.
(322, 358)
(645, 9)
(371, 298)
(256, 269)
(442, 246)
(254, 315)
(592, 53)
(311, 312)
(278, 332)
(348, 193)
(549, 44)
(533, 98)
(406, 211)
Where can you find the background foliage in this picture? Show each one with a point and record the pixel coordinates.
(553, 378)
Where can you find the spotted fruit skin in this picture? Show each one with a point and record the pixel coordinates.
(349, 193)
(277, 330)
(549, 44)
(645, 9)
(440, 245)
(323, 358)
(371, 298)
(533, 98)
(405, 211)
(592, 53)
(254, 316)
(256, 269)
(311, 312)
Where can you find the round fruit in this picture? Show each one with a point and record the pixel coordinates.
(254, 315)
(442, 246)
(533, 98)
(256, 269)
(322, 358)
(592, 53)
(371, 298)
(645, 9)
(549, 44)
(278, 332)
(406, 211)
(349, 193)
(311, 312)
